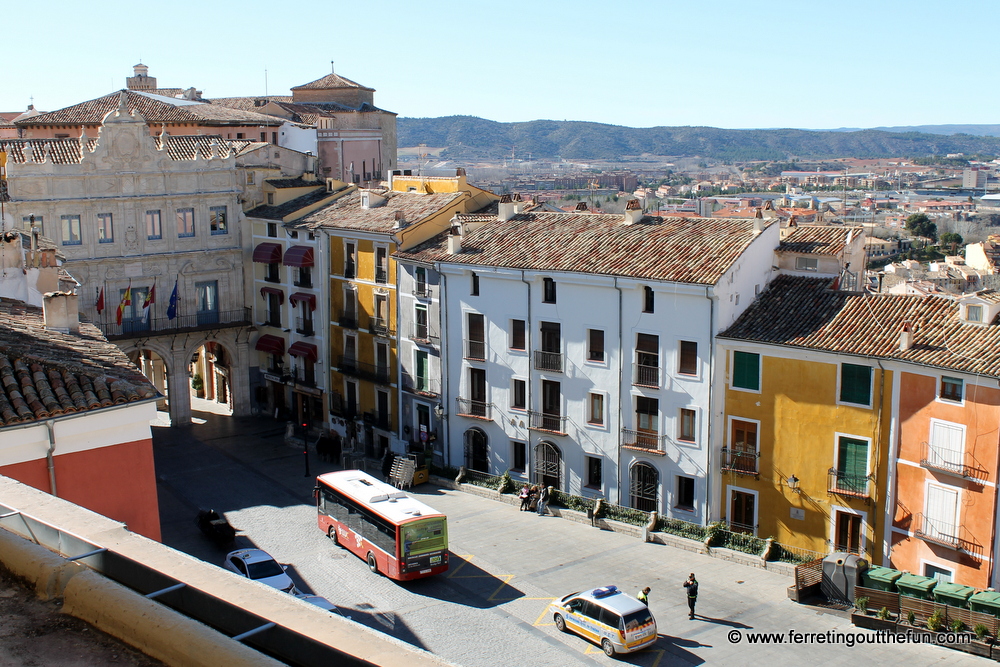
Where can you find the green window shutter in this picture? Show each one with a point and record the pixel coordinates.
(852, 459)
(855, 384)
(746, 370)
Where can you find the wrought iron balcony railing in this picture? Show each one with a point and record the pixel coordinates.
(381, 276)
(941, 532)
(380, 326)
(353, 367)
(418, 384)
(198, 321)
(645, 440)
(304, 326)
(475, 349)
(543, 421)
(479, 409)
(423, 333)
(740, 461)
(945, 460)
(548, 361)
(646, 376)
(348, 319)
(849, 485)
(422, 290)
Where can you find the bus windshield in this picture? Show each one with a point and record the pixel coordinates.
(423, 536)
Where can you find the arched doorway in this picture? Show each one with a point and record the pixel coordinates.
(154, 367)
(643, 488)
(548, 465)
(211, 370)
(477, 450)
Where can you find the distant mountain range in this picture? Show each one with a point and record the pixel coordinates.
(469, 137)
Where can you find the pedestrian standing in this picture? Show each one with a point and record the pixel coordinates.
(387, 462)
(692, 593)
(644, 595)
(525, 496)
(543, 500)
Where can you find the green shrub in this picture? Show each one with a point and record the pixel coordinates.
(625, 514)
(569, 501)
(506, 483)
(982, 632)
(911, 618)
(957, 625)
(682, 528)
(883, 613)
(862, 605)
(935, 622)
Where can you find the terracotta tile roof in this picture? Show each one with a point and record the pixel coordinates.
(282, 183)
(330, 81)
(57, 151)
(828, 240)
(44, 373)
(298, 112)
(289, 207)
(804, 313)
(346, 212)
(154, 110)
(687, 250)
(248, 103)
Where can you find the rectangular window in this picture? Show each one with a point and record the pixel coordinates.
(806, 264)
(154, 225)
(946, 448)
(185, 222)
(272, 230)
(596, 414)
(105, 228)
(207, 298)
(941, 513)
(476, 348)
(595, 345)
(518, 400)
(350, 261)
(517, 337)
(420, 281)
(855, 384)
(951, 389)
(687, 425)
(548, 290)
(647, 299)
(746, 370)
(974, 313)
(594, 479)
(474, 290)
(71, 230)
(685, 493)
(381, 265)
(852, 465)
(422, 380)
(934, 572)
(271, 273)
(218, 220)
(688, 358)
(647, 413)
(518, 455)
(250, 178)
(420, 329)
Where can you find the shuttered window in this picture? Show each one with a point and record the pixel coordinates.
(746, 371)
(855, 384)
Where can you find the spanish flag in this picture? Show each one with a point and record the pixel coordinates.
(126, 301)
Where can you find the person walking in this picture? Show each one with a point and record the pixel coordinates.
(543, 500)
(644, 595)
(525, 496)
(692, 593)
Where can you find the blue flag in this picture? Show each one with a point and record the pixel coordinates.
(172, 305)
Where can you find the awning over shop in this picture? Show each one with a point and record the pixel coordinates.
(267, 253)
(299, 255)
(302, 296)
(270, 344)
(304, 350)
(273, 290)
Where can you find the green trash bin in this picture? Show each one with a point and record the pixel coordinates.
(955, 595)
(987, 602)
(916, 586)
(881, 578)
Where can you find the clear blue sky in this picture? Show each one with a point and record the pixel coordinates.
(727, 63)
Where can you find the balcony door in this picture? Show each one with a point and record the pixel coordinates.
(744, 446)
(742, 512)
(941, 511)
(207, 298)
(847, 529)
(647, 421)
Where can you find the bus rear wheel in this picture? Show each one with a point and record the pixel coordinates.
(332, 534)
(372, 564)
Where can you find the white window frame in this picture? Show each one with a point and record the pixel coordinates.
(607, 412)
(924, 563)
(523, 408)
(863, 533)
(729, 502)
(696, 376)
(586, 347)
(957, 490)
(836, 449)
(697, 424)
(760, 372)
(800, 264)
(935, 421)
(871, 386)
(949, 401)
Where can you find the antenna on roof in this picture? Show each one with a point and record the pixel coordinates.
(265, 82)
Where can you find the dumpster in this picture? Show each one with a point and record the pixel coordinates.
(987, 602)
(881, 578)
(916, 586)
(841, 572)
(954, 594)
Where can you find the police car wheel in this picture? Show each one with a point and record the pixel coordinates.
(372, 564)
(609, 648)
(332, 534)
(560, 623)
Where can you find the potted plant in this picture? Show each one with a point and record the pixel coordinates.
(935, 622)
(881, 621)
(198, 385)
(982, 644)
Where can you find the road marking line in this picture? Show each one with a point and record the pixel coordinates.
(506, 580)
(543, 614)
(465, 560)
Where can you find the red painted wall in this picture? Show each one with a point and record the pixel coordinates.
(117, 481)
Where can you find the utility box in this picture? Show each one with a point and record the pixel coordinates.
(987, 602)
(916, 586)
(955, 595)
(840, 576)
(881, 578)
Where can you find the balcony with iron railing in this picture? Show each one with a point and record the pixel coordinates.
(377, 419)
(849, 485)
(347, 319)
(548, 361)
(475, 349)
(944, 533)
(947, 461)
(740, 461)
(371, 372)
(420, 385)
(272, 319)
(477, 409)
(646, 441)
(304, 326)
(741, 528)
(381, 276)
(423, 290)
(422, 333)
(544, 421)
(646, 375)
(380, 326)
(198, 321)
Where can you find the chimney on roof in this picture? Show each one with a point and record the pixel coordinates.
(633, 212)
(332, 70)
(506, 209)
(518, 203)
(60, 313)
(906, 337)
(455, 238)
(371, 199)
(758, 222)
(400, 220)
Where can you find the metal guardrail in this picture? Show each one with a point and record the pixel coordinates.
(470, 408)
(646, 376)
(200, 321)
(739, 461)
(475, 349)
(952, 462)
(548, 361)
(942, 532)
(850, 485)
(644, 440)
(425, 386)
(542, 421)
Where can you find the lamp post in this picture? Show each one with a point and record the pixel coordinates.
(793, 483)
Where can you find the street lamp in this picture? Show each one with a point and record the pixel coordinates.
(793, 483)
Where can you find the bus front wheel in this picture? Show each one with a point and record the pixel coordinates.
(332, 534)
(372, 564)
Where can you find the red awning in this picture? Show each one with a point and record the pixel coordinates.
(273, 290)
(306, 350)
(267, 253)
(299, 255)
(302, 296)
(270, 344)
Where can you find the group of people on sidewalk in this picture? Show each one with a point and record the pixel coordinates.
(691, 586)
(534, 498)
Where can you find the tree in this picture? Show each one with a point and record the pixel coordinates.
(920, 225)
(949, 238)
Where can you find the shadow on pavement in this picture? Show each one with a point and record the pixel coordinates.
(466, 584)
(723, 621)
(665, 644)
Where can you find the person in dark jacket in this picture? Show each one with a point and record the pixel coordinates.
(543, 499)
(692, 593)
(387, 464)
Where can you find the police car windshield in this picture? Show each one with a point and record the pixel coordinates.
(637, 619)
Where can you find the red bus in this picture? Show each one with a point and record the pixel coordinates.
(397, 534)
